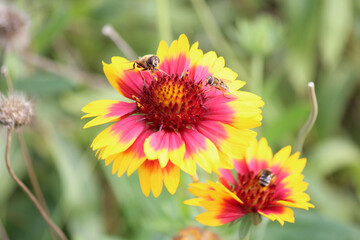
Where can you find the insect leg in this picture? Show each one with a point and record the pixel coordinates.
(142, 78)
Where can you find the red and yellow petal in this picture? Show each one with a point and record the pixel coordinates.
(201, 190)
(119, 136)
(209, 219)
(106, 111)
(281, 214)
(239, 114)
(130, 159)
(223, 206)
(258, 155)
(165, 146)
(201, 150)
(204, 65)
(124, 79)
(152, 176)
(245, 115)
(171, 177)
(174, 59)
(281, 156)
(136, 151)
(226, 138)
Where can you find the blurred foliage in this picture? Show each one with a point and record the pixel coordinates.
(276, 46)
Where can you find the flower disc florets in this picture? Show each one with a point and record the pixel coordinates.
(249, 190)
(172, 103)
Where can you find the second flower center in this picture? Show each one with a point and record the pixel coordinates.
(254, 195)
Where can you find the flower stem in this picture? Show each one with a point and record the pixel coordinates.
(47, 219)
(33, 179)
(245, 227)
(163, 20)
(5, 73)
(3, 234)
(110, 32)
(2, 55)
(195, 178)
(260, 230)
(69, 72)
(311, 120)
(257, 74)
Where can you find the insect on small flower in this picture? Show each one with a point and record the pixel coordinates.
(263, 185)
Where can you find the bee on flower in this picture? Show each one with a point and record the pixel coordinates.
(264, 185)
(173, 120)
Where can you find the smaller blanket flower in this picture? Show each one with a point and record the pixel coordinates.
(264, 184)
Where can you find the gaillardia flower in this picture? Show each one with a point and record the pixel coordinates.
(264, 184)
(173, 119)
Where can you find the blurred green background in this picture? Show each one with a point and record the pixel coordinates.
(276, 46)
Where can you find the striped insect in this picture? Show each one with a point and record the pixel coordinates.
(217, 83)
(265, 177)
(147, 62)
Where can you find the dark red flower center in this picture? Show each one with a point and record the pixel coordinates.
(250, 191)
(172, 103)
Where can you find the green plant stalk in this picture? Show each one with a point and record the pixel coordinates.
(217, 38)
(260, 230)
(245, 226)
(163, 20)
(109, 31)
(3, 234)
(257, 74)
(299, 142)
(5, 73)
(45, 216)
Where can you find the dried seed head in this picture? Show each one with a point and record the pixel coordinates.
(14, 28)
(15, 110)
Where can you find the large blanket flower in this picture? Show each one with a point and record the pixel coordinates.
(264, 184)
(173, 119)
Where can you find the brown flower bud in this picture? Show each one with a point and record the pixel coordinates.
(14, 28)
(15, 110)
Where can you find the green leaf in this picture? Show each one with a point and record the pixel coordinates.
(333, 154)
(287, 123)
(301, 18)
(333, 93)
(336, 27)
(43, 83)
(54, 26)
(245, 225)
(312, 226)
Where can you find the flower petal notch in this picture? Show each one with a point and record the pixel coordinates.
(264, 185)
(175, 118)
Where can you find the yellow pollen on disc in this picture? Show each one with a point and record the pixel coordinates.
(170, 94)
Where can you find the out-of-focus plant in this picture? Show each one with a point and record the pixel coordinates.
(259, 38)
